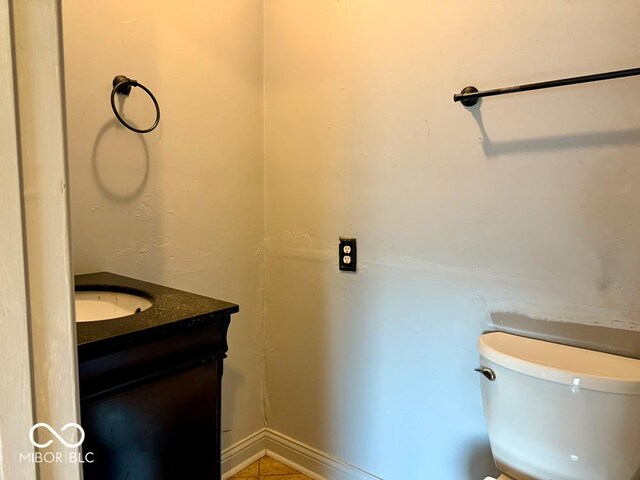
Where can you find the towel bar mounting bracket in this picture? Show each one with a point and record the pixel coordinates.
(469, 102)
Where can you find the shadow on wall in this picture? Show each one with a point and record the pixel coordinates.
(479, 459)
(232, 381)
(553, 143)
(610, 200)
(116, 204)
(379, 389)
(109, 166)
(606, 207)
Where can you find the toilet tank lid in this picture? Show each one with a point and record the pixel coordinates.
(573, 366)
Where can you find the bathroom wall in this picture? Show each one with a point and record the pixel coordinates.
(526, 203)
(183, 205)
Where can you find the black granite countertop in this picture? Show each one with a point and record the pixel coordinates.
(171, 311)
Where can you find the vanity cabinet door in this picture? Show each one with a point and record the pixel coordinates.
(163, 428)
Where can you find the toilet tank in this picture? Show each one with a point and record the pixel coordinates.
(559, 412)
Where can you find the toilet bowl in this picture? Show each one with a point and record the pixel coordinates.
(559, 412)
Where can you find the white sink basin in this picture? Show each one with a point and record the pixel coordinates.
(94, 305)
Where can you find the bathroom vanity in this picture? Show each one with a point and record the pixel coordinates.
(150, 383)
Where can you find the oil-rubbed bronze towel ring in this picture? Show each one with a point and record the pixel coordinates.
(122, 86)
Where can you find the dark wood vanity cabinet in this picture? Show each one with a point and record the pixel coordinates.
(150, 398)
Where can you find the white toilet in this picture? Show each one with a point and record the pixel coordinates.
(556, 412)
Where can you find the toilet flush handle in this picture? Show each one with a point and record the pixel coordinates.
(487, 372)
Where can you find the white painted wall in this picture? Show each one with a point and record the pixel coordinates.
(183, 205)
(529, 202)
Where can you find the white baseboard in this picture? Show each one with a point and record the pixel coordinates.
(310, 461)
(243, 453)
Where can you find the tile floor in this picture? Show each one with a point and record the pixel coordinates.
(269, 469)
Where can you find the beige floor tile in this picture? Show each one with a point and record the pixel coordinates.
(295, 476)
(270, 467)
(249, 473)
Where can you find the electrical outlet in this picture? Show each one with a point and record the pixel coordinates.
(347, 254)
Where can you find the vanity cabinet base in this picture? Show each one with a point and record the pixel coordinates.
(165, 428)
(150, 384)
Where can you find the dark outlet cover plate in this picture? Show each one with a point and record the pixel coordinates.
(348, 254)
